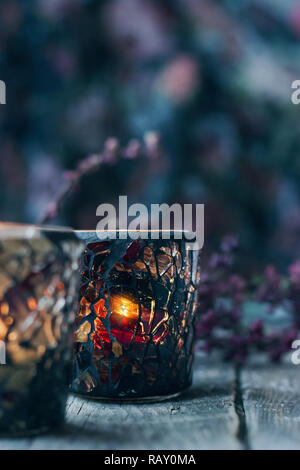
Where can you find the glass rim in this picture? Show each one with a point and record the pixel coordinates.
(177, 235)
(10, 230)
(16, 230)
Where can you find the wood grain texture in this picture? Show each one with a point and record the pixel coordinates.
(202, 418)
(271, 400)
(258, 409)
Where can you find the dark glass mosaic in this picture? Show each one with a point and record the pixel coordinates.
(38, 291)
(134, 333)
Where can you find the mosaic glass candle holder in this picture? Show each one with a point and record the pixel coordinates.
(38, 290)
(134, 335)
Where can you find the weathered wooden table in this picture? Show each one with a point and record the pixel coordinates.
(258, 408)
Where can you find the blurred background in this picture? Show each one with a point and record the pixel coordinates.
(212, 76)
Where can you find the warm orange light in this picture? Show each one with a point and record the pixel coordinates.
(100, 308)
(129, 322)
(124, 306)
(4, 308)
(12, 336)
(32, 303)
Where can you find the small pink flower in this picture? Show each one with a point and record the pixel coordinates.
(295, 18)
(180, 78)
(294, 271)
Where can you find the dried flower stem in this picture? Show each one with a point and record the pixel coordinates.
(111, 154)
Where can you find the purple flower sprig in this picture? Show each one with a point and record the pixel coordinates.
(223, 294)
(112, 152)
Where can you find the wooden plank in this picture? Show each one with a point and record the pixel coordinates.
(202, 418)
(271, 400)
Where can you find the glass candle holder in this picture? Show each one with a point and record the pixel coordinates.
(134, 333)
(38, 290)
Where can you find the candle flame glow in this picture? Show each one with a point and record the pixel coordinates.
(124, 306)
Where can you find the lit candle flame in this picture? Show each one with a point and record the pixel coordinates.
(124, 306)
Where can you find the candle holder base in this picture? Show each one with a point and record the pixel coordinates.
(132, 400)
